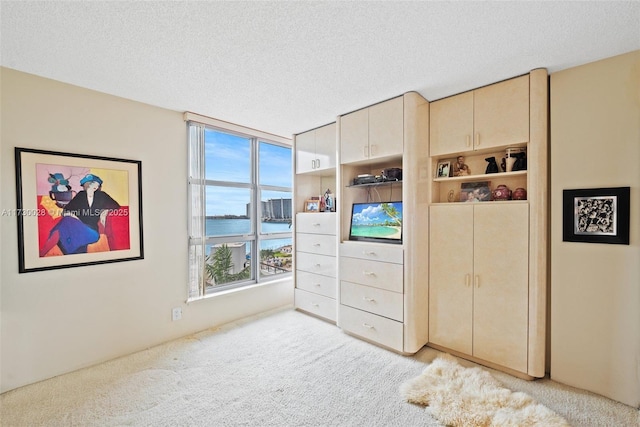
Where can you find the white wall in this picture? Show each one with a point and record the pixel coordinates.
(57, 321)
(595, 288)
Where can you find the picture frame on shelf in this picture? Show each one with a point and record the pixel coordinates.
(596, 215)
(479, 191)
(312, 205)
(443, 169)
(76, 210)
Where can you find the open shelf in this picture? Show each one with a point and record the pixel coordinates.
(481, 177)
(374, 184)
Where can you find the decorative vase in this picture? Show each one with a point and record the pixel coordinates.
(501, 192)
(519, 194)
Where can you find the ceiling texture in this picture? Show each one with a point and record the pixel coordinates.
(286, 67)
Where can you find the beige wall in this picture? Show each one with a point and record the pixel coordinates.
(57, 321)
(595, 288)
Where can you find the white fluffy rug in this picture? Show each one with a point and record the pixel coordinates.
(459, 396)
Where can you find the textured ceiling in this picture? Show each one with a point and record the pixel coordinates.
(285, 67)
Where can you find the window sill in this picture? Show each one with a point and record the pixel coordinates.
(241, 289)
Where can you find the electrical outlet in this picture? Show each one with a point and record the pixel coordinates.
(176, 314)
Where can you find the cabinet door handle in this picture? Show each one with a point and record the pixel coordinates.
(468, 141)
(317, 163)
(477, 280)
(477, 139)
(467, 280)
(369, 273)
(367, 299)
(365, 151)
(313, 164)
(368, 326)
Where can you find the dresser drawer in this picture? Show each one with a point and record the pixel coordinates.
(381, 275)
(372, 251)
(317, 304)
(319, 264)
(316, 223)
(377, 301)
(316, 283)
(323, 244)
(375, 328)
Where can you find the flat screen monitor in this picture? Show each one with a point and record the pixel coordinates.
(376, 222)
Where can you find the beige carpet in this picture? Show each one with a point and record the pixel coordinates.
(471, 397)
(283, 368)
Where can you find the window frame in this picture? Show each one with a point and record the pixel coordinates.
(197, 210)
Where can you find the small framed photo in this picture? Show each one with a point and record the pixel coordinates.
(596, 215)
(475, 191)
(442, 171)
(312, 205)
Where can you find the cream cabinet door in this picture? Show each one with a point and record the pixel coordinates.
(326, 147)
(305, 152)
(451, 125)
(354, 136)
(501, 291)
(501, 113)
(450, 276)
(386, 128)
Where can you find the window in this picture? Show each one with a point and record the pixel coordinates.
(240, 208)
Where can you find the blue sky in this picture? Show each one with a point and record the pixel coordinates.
(228, 158)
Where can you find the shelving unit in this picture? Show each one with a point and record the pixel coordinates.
(488, 275)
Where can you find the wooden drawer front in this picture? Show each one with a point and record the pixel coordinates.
(372, 327)
(316, 223)
(382, 275)
(317, 304)
(374, 252)
(323, 285)
(378, 301)
(323, 244)
(319, 264)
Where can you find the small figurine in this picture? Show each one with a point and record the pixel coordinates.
(460, 168)
(492, 167)
(328, 201)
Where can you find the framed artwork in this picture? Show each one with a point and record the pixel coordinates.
(442, 171)
(312, 205)
(596, 215)
(75, 210)
(475, 191)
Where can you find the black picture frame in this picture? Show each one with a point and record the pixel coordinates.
(596, 215)
(55, 228)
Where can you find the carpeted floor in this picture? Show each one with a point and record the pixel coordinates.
(283, 368)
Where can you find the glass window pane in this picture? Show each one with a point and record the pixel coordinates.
(275, 257)
(227, 157)
(227, 211)
(276, 209)
(275, 165)
(227, 263)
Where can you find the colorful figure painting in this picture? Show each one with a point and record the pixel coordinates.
(76, 209)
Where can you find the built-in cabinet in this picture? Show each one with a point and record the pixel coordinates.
(467, 278)
(316, 150)
(479, 278)
(492, 116)
(315, 241)
(488, 259)
(372, 133)
(383, 287)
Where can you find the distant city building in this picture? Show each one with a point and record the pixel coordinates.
(275, 209)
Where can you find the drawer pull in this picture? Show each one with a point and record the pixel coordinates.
(368, 326)
(317, 285)
(316, 224)
(315, 304)
(369, 273)
(367, 299)
(316, 244)
(369, 253)
(318, 265)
